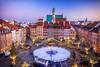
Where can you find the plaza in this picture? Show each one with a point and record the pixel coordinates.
(62, 33)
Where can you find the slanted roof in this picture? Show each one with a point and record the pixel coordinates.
(95, 29)
(39, 23)
(11, 26)
(92, 24)
(1, 28)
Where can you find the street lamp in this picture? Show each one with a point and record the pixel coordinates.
(22, 44)
(68, 41)
(13, 58)
(34, 40)
(25, 64)
(74, 65)
(78, 45)
(92, 62)
(87, 50)
(95, 49)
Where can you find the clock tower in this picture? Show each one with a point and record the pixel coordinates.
(53, 15)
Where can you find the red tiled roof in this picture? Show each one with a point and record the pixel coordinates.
(59, 20)
(32, 26)
(93, 24)
(2, 21)
(14, 27)
(11, 26)
(40, 19)
(39, 23)
(1, 28)
(51, 25)
(5, 23)
(67, 25)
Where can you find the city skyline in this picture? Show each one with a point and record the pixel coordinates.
(31, 10)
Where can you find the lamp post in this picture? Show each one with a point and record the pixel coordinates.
(75, 65)
(87, 50)
(22, 44)
(68, 41)
(78, 45)
(13, 58)
(33, 40)
(25, 64)
(92, 62)
(95, 48)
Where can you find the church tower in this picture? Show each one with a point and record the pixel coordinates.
(53, 15)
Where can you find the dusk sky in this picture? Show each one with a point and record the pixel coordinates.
(31, 10)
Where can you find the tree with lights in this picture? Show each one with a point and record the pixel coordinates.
(13, 54)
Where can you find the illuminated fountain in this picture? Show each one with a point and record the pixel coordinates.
(51, 54)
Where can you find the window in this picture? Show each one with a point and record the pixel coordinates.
(0, 25)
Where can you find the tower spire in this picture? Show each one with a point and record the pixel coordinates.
(53, 15)
(53, 11)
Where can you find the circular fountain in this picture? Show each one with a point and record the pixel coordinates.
(51, 54)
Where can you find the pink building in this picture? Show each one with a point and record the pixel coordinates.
(10, 33)
(5, 39)
(90, 34)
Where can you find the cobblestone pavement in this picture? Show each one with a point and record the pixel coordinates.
(27, 56)
(4, 62)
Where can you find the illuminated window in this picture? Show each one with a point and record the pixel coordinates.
(0, 25)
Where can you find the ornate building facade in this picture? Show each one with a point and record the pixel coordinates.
(55, 26)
